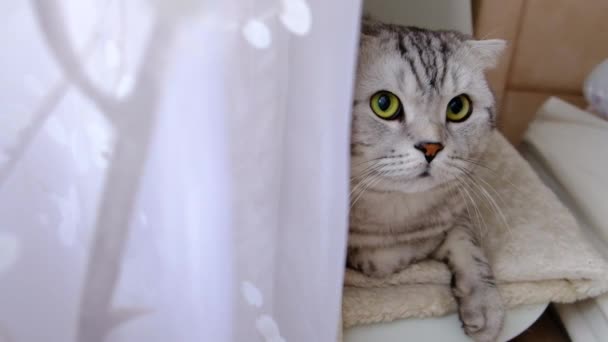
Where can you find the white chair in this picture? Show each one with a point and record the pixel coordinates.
(566, 146)
(444, 329)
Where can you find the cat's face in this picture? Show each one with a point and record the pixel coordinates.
(423, 111)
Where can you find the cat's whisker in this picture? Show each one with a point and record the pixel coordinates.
(475, 179)
(458, 189)
(479, 178)
(385, 157)
(368, 161)
(360, 184)
(371, 173)
(476, 194)
(472, 177)
(492, 189)
(368, 182)
(477, 223)
(491, 202)
(480, 218)
(500, 198)
(493, 32)
(498, 211)
(367, 171)
(485, 167)
(390, 166)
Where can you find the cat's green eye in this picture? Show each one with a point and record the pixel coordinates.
(386, 105)
(459, 108)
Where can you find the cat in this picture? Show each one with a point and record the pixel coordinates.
(423, 114)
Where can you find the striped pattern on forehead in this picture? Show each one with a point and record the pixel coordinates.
(426, 52)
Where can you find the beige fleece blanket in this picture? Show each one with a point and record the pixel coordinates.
(540, 255)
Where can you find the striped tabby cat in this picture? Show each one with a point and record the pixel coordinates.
(422, 117)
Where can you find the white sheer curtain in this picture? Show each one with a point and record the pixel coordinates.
(174, 170)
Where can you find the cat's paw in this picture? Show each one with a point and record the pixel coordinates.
(481, 312)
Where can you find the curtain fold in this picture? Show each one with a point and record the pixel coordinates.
(174, 170)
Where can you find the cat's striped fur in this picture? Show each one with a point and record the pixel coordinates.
(406, 209)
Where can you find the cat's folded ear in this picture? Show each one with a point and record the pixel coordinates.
(369, 26)
(486, 52)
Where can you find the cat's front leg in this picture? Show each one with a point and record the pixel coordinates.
(479, 303)
(378, 262)
(382, 261)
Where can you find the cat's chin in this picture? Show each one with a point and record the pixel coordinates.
(421, 183)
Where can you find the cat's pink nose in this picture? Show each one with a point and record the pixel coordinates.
(430, 149)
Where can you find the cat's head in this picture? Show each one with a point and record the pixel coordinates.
(423, 111)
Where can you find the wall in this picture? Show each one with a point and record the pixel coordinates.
(554, 44)
(433, 14)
